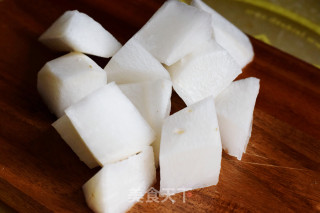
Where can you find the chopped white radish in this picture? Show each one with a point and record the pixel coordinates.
(132, 63)
(152, 99)
(175, 30)
(190, 149)
(109, 125)
(118, 186)
(229, 36)
(235, 107)
(75, 31)
(72, 138)
(205, 72)
(67, 79)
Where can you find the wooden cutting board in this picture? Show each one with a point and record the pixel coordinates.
(39, 173)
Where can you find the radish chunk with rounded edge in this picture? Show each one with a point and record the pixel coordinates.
(152, 99)
(205, 72)
(70, 135)
(75, 31)
(190, 149)
(175, 30)
(132, 63)
(229, 36)
(118, 186)
(109, 125)
(235, 107)
(67, 79)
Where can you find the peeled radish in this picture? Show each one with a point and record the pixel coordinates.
(127, 128)
(108, 124)
(235, 107)
(67, 79)
(152, 99)
(175, 30)
(70, 135)
(190, 149)
(229, 36)
(118, 186)
(132, 63)
(205, 72)
(75, 31)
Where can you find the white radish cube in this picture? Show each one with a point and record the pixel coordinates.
(205, 72)
(74, 140)
(175, 30)
(229, 36)
(152, 99)
(235, 107)
(75, 31)
(117, 187)
(109, 125)
(190, 149)
(67, 79)
(132, 63)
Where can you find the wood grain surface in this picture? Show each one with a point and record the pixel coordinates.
(39, 173)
